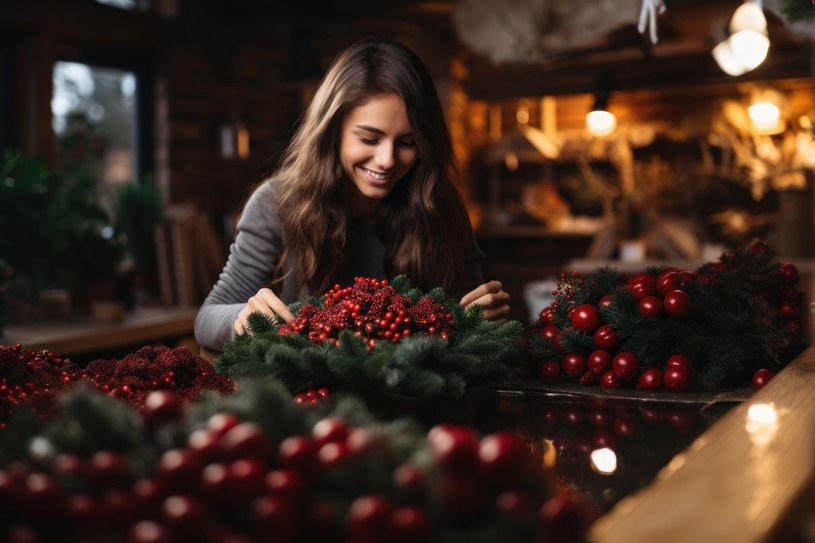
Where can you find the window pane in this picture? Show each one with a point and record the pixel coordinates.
(94, 117)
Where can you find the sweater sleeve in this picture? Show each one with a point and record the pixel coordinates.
(252, 256)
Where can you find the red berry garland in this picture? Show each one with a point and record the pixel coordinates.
(371, 309)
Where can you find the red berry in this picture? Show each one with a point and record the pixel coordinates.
(547, 316)
(599, 361)
(550, 370)
(650, 379)
(606, 337)
(677, 378)
(677, 304)
(650, 307)
(762, 377)
(585, 318)
(625, 365)
(574, 364)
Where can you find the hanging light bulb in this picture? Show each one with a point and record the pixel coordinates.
(747, 46)
(764, 115)
(600, 121)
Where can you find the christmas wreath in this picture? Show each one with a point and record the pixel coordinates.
(739, 318)
(377, 335)
(254, 465)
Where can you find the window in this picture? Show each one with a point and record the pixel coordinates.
(94, 117)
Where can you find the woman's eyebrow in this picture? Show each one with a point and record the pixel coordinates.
(380, 132)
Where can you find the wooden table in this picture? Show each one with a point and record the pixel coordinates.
(142, 326)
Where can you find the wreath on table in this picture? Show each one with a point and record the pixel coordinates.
(377, 335)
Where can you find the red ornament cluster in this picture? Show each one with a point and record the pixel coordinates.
(373, 310)
(35, 378)
(232, 482)
(311, 397)
(663, 295)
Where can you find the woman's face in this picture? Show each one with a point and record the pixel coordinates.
(376, 150)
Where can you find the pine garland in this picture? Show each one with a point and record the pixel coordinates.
(797, 10)
(729, 319)
(377, 336)
(254, 463)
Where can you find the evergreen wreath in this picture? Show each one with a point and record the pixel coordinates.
(742, 317)
(373, 336)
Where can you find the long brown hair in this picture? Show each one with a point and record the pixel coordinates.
(423, 222)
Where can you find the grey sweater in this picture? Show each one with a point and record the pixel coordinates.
(255, 253)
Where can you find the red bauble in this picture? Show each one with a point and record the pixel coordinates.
(650, 379)
(216, 482)
(650, 307)
(789, 274)
(299, 453)
(275, 518)
(686, 278)
(547, 316)
(221, 423)
(503, 457)
(642, 285)
(333, 454)
(586, 318)
(185, 514)
(606, 301)
(758, 247)
(369, 517)
(286, 483)
(551, 333)
(667, 281)
(602, 438)
(161, 406)
(599, 361)
(600, 417)
(148, 531)
(762, 377)
(679, 361)
(180, 469)
(789, 311)
(247, 478)
(330, 429)
(453, 445)
(625, 365)
(109, 469)
(610, 380)
(606, 337)
(205, 443)
(246, 440)
(677, 378)
(410, 479)
(550, 370)
(574, 364)
(409, 524)
(677, 304)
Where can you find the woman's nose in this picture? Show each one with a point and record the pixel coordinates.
(385, 158)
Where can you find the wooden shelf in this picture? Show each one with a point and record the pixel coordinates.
(143, 326)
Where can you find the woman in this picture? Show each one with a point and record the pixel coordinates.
(364, 189)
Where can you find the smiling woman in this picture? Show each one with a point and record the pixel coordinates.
(363, 189)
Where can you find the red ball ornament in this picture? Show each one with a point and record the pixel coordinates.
(686, 278)
(789, 274)
(161, 406)
(605, 337)
(453, 445)
(286, 483)
(679, 361)
(574, 364)
(585, 318)
(410, 523)
(667, 281)
(275, 516)
(221, 423)
(599, 361)
(330, 429)
(758, 247)
(677, 304)
(148, 531)
(550, 370)
(650, 307)
(610, 380)
(503, 457)
(625, 365)
(642, 285)
(299, 453)
(551, 333)
(606, 301)
(650, 379)
(369, 517)
(246, 440)
(547, 316)
(762, 377)
(677, 378)
(789, 311)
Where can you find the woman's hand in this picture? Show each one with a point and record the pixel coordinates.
(266, 302)
(491, 298)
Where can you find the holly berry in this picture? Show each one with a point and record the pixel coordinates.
(650, 379)
(677, 304)
(625, 365)
(574, 364)
(585, 318)
(762, 377)
(677, 378)
(650, 307)
(605, 337)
